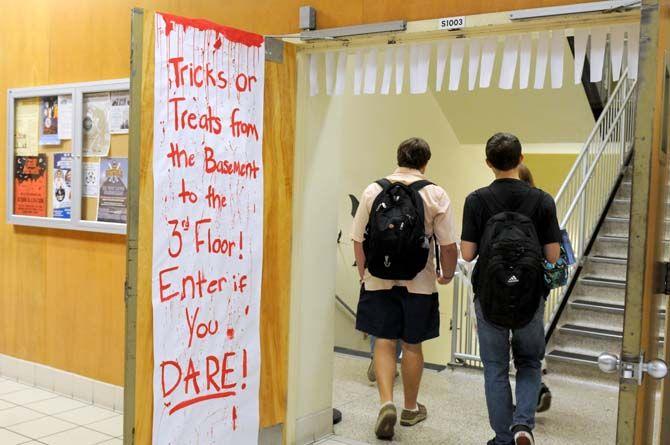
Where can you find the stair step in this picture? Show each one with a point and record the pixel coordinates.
(600, 306)
(592, 332)
(616, 226)
(573, 357)
(605, 267)
(603, 282)
(611, 246)
(579, 365)
(608, 260)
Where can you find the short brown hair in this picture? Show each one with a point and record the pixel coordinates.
(413, 153)
(525, 175)
(503, 151)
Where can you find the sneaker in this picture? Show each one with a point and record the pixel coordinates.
(544, 401)
(493, 442)
(523, 435)
(411, 418)
(386, 422)
(372, 377)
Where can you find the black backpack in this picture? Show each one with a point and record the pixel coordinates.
(396, 245)
(509, 276)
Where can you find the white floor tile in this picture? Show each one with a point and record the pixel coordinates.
(77, 436)
(114, 441)
(27, 396)
(112, 426)
(9, 386)
(10, 438)
(5, 405)
(86, 415)
(18, 414)
(46, 426)
(56, 405)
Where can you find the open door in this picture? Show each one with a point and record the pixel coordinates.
(641, 367)
(277, 151)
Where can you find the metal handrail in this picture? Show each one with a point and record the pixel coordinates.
(596, 170)
(593, 165)
(592, 134)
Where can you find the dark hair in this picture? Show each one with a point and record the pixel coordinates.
(503, 151)
(525, 175)
(413, 153)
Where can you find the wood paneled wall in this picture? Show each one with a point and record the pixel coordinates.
(62, 292)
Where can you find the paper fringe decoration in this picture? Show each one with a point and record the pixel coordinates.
(520, 53)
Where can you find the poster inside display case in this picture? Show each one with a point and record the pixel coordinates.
(67, 160)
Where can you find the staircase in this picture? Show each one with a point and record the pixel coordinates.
(584, 318)
(592, 322)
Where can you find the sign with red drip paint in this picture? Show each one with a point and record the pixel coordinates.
(207, 232)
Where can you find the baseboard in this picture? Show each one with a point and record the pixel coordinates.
(62, 382)
(313, 427)
(273, 435)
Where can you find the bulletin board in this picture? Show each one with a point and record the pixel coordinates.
(67, 156)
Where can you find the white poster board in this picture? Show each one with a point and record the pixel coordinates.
(207, 234)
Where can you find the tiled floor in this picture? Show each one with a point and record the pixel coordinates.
(30, 415)
(582, 413)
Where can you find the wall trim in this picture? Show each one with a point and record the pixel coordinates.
(314, 427)
(62, 382)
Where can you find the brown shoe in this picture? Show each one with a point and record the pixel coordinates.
(386, 422)
(411, 418)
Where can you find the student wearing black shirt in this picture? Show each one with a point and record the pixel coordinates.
(512, 425)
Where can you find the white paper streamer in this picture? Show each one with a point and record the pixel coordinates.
(388, 70)
(341, 73)
(419, 56)
(597, 58)
(313, 74)
(525, 53)
(488, 60)
(474, 52)
(581, 39)
(633, 47)
(617, 37)
(508, 67)
(440, 65)
(330, 72)
(456, 64)
(541, 59)
(399, 68)
(370, 72)
(358, 72)
(557, 53)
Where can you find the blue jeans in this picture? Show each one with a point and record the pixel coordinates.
(398, 347)
(528, 349)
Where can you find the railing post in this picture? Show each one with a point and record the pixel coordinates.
(455, 317)
(582, 216)
(622, 137)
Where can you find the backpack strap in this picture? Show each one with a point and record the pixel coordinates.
(384, 183)
(489, 200)
(532, 201)
(418, 185)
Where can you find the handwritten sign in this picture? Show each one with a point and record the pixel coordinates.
(207, 245)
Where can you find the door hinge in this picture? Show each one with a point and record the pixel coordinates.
(632, 368)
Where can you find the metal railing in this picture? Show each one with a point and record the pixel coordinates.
(580, 203)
